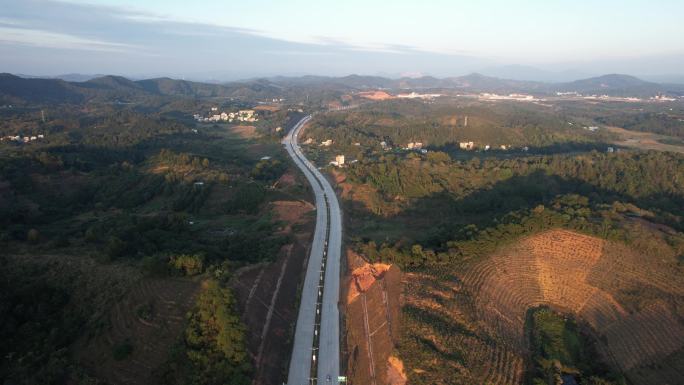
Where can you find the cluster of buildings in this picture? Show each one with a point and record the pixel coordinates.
(415, 95)
(608, 98)
(22, 139)
(240, 116)
(468, 146)
(662, 98)
(515, 97)
(656, 98)
(327, 143)
(415, 146)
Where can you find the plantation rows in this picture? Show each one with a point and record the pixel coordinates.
(578, 274)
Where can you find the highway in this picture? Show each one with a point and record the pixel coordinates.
(316, 352)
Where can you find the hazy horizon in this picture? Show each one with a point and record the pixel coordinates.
(535, 40)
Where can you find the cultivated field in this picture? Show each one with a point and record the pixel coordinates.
(590, 278)
(467, 324)
(643, 140)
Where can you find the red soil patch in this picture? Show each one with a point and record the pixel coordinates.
(339, 176)
(371, 317)
(395, 371)
(364, 277)
(376, 95)
(287, 179)
(291, 212)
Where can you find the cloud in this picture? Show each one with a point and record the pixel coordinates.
(123, 41)
(49, 39)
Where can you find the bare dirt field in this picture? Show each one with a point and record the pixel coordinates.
(376, 95)
(372, 293)
(267, 107)
(246, 132)
(643, 140)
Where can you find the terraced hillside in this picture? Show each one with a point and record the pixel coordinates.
(475, 321)
(140, 330)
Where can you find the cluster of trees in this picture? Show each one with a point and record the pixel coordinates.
(477, 206)
(659, 123)
(167, 157)
(444, 124)
(36, 328)
(268, 169)
(560, 351)
(652, 179)
(213, 350)
(116, 181)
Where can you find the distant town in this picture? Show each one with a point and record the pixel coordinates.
(239, 116)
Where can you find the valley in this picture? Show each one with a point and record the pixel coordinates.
(492, 241)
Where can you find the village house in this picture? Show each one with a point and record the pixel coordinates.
(466, 145)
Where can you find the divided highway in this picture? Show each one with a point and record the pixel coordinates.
(316, 351)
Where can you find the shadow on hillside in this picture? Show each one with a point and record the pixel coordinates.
(440, 215)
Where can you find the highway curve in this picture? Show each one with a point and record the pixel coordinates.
(316, 351)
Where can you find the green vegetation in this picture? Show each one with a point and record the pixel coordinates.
(213, 349)
(142, 188)
(442, 126)
(122, 351)
(36, 328)
(438, 214)
(439, 203)
(659, 123)
(560, 349)
(188, 264)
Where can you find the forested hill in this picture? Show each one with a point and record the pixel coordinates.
(19, 91)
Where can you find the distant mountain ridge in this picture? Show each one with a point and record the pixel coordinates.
(15, 89)
(612, 84)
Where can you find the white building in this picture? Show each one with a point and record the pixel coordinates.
(466, 145)
(340, 160)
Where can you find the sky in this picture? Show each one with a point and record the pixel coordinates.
(231, 39)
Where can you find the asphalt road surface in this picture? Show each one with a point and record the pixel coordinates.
(316, 351)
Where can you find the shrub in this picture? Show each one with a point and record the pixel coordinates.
(122, 351)
(188, 264)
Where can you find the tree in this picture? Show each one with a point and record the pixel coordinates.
(215, 339)
(33, 236)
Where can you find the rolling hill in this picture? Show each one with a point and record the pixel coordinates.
(20, 90)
